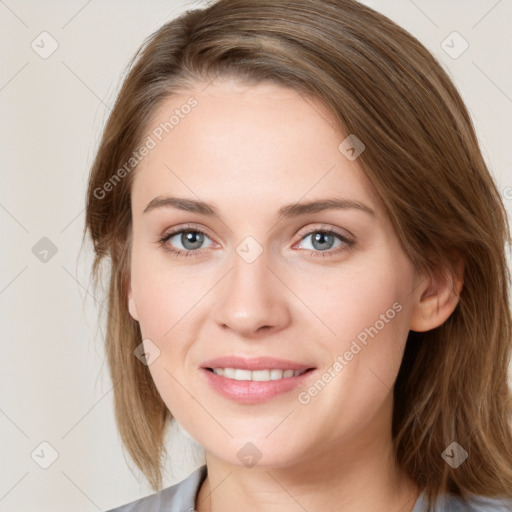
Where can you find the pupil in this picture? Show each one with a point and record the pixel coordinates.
(191, 237)
(320, 237)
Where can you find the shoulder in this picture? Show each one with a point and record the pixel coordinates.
(450, 503)
(475, 504)
(180, 496)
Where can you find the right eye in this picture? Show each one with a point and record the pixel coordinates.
(189, 238)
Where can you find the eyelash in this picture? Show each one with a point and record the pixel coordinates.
(349, 242)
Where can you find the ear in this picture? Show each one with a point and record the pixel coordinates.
(132, 307)
(125, 249)
(436, 298)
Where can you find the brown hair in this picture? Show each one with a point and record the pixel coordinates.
(423, 159)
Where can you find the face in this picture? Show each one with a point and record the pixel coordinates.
(302, 314)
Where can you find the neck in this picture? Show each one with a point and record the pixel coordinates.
(363, 477)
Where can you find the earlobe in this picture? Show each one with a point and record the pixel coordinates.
(436, 299)
(132, 308)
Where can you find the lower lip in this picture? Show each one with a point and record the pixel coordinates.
(253, 392)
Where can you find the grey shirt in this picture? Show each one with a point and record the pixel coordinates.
(182, 497)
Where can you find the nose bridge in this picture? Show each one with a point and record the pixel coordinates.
(252, 296)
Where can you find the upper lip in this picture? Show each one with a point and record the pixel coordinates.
(256, 363)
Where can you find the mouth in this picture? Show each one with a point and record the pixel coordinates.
(264, 375)
(256, 380)
(260, 369)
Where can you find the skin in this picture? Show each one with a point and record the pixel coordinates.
(249, 150)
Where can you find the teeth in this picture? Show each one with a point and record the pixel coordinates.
(276, 374)
(257, 375)
(242, 374)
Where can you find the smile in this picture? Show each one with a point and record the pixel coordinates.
(256, 375)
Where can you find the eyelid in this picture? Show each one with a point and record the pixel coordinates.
(327, 228)
(186, 227)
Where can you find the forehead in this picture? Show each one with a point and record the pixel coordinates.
(246, 143)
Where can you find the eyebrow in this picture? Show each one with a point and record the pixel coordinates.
(288, 211)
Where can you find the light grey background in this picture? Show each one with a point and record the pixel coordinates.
(54, 382)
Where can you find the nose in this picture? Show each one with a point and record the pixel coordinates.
(252, 300)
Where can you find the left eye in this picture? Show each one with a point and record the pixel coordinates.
(324, 240)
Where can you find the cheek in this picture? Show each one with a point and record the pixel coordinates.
(367, 312)
(348, 301)
(166, 296)
(361, 360)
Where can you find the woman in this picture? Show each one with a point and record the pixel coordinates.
(308, 267)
